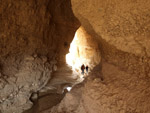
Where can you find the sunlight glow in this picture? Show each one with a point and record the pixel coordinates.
(69, 88)
(83, 50)
(72, 57)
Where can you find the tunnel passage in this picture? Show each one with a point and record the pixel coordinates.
(83, 50)
(32, 36)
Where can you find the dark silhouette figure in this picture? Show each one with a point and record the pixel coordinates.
(86, 68)
(82, 69)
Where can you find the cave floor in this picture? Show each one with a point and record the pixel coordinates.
(55, 90)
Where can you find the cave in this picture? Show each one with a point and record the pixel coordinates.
(44, 43)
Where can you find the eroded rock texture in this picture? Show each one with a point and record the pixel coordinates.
(122, 28)
(123, 24)
(31, 76)
(34, 36)
(118, 93)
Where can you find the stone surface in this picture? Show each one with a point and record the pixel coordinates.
(118, 93)
(31, 77)
(122, 86)
(35, 37)
(122, 30)
(32, 34)
(123, 24)
(45, 101)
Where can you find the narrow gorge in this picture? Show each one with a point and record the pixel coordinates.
(43, 44)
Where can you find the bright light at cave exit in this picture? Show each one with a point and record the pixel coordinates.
(72, 58)
(83, 50)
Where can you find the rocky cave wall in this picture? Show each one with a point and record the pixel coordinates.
(34, 36)
(122, 29)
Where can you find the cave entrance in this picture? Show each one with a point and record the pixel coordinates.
(83, 50)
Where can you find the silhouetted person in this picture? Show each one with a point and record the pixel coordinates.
(86, 68)
(82, 69)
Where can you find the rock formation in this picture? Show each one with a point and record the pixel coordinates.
(122, 28)
(35, 38)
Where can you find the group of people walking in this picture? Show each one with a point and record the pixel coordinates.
(84, 68)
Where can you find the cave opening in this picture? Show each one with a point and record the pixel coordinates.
(83, 50)
(37, 69)
(34, 65)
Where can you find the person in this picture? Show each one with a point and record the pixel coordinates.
(86, 68)
(82, 69)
